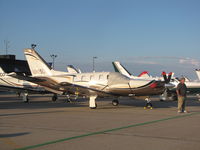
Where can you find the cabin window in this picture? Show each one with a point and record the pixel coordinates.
(83, 78)
(91, 77)
(101, 77)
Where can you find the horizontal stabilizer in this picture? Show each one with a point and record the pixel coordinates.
(26, 78)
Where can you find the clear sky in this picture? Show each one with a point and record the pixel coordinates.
(153, 35)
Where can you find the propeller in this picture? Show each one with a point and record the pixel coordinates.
(167, 78)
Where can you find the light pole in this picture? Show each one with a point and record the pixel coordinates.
(33, 46)
(93, 67)
(6, 42)
(53, 56)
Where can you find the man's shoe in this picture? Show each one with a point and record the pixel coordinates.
(185, 111)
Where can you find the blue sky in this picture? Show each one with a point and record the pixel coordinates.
(153, 35)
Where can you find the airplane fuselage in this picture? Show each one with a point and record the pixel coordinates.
(105, 83)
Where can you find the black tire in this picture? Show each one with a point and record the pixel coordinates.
(115, 102)
(54, 98)
(94, 107)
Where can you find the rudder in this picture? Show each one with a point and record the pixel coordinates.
(37, 64)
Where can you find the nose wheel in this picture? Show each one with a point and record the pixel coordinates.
(54, 97)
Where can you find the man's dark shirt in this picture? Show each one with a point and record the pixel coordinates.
(182, 88)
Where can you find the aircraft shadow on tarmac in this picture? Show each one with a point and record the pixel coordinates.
(13, 134)
(37, 102)
(157, 103)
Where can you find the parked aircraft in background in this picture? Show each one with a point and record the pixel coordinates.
(8, 83)
(72, 69)
(170, 92)
(121, 69)
(193, 87)
(91, 85)
(198, 73)
(144, 75)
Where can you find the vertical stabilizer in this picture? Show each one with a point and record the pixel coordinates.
(37, 64)
(121, 69)
(198, 73)
(72, 69)
(1, 70)
(144, 74)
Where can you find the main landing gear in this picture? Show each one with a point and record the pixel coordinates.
(115, 102)
(148, 104)
(54, 97)
(92, 102)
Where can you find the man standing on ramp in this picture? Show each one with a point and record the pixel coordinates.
(181, 91)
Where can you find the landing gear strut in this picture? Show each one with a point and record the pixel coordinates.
(92, 102)
(25, 97)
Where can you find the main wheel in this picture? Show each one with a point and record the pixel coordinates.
(54, 98)
(115, 102)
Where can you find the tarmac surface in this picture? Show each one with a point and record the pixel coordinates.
(45, 125)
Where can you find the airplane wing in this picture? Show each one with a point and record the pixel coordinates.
(60, 88)
(26, 78)
(85, 91)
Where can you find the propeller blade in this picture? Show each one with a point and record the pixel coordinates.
(164, 76)
(169, 77)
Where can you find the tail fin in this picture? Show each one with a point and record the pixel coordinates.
(121, 69)
(144, 74)
(198, 73)
(1, 70)
(72, 69)
(37, 64)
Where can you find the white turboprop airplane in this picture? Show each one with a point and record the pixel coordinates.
(92, 85)
(8, 83)
(193, 86)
